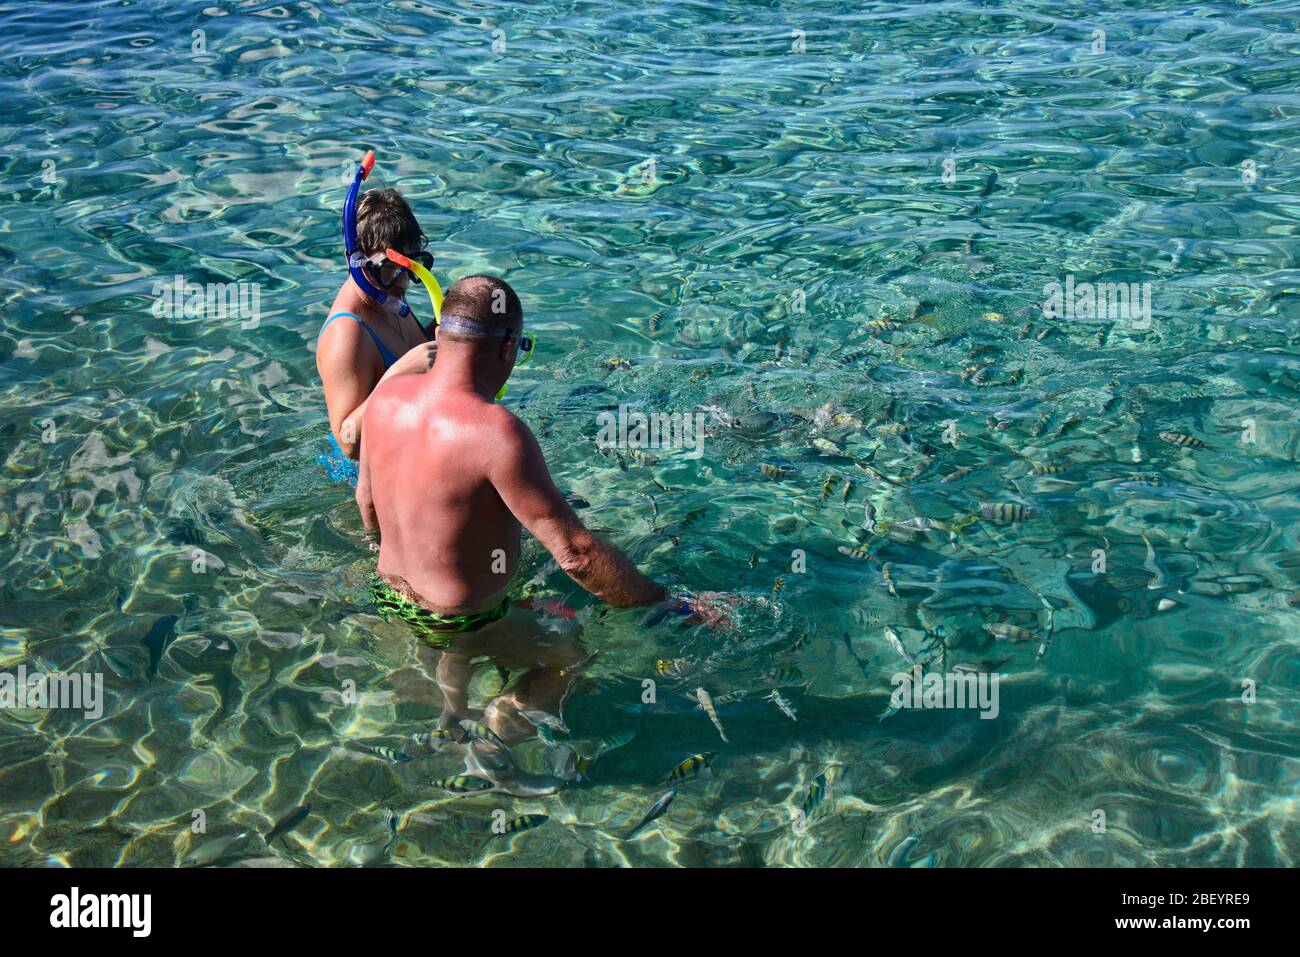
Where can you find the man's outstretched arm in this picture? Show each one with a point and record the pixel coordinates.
(524, 483)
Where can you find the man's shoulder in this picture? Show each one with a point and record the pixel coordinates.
(395, 390)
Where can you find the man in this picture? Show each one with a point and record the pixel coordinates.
(447, 478)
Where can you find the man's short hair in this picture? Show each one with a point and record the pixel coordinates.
(385, 221)
(486, 300)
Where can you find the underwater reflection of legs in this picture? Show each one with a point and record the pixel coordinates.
(525, 641)
(451, 671)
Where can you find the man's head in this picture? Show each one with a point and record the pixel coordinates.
(385, 221)
(482, 316)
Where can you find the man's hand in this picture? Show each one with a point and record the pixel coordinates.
(415, 359)
(711, 608)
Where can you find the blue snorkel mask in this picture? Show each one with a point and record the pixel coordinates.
(356, 259)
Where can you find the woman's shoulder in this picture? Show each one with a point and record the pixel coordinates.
(342, 344)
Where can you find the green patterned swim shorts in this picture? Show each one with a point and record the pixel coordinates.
(435, 630)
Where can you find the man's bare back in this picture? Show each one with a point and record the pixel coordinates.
(447, 477)
(447, 535)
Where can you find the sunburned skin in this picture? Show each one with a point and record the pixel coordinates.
(448, 479)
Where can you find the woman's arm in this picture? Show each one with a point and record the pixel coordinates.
(349, 383)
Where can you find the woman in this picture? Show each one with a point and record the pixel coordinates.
(370, 333)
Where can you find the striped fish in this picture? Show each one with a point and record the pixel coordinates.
(1011, 632)
(524, 822)
(786, 675)
(829, 485)
(878, 476)
(1182, 440)
(706, 702)
(1072, 422)
(666, 667)
(774, 471)
(862, 551)
(464, 783)
(888, 579)
(1004, 512)
(816, 795)
(391, 754)
(695, 765)
(1046, 468)
(482, 732)
(435, 738)
(921, 468)
(612, 742)
(733, 696)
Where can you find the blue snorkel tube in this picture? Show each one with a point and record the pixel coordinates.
(354, 255)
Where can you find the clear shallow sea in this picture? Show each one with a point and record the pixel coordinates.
(131, 440)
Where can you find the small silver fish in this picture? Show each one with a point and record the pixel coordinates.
(544, 719)
(288, 822)
(780, 702)
(896, 643)
(656, 811)
(869, 522)
(706, 702)
(217, 849)
(1160, 576)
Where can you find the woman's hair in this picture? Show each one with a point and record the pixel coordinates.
(385, 221)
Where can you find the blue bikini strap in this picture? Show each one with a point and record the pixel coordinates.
(384, 354)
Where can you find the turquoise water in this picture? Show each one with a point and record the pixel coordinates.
(795, 196)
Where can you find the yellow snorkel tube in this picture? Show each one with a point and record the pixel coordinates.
(426, 277)
(435, 293)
